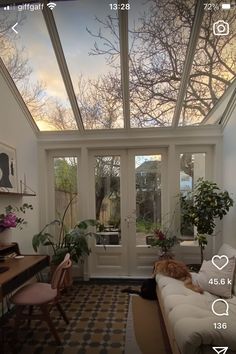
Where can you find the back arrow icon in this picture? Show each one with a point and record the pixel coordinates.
(13, 27)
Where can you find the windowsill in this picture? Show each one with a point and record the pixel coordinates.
(189, 243)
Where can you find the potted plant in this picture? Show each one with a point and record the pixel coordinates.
(202, 206)
(74, 241)
(164, 242)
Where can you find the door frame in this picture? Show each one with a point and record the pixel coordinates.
(110, 260)
(142, 257)
(127, 259)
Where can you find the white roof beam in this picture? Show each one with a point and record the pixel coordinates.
(55, 39)
(230, 108)
(124, 63)
(188, 61)
(216, 112)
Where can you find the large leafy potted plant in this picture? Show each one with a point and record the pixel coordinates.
(73, 241)
(202, 206)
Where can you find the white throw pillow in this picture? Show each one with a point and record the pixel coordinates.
(229, 251)
(215, 281)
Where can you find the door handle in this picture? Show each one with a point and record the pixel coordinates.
(130, 219)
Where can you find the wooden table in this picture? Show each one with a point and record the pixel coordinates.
(20, 270)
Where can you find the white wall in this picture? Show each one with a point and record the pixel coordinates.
(16, 132)
(229, 178)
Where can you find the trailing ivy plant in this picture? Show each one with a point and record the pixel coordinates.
(202, 206)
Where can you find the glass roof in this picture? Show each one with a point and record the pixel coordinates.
(31, 62)
(92, 64)
(158, 39)
(214, 66)
(85, 28)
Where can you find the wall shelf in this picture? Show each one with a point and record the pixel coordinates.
(18, 194)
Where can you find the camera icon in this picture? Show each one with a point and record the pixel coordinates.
(220, 28)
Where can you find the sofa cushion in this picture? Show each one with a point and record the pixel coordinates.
(217, 281)
(191, 320)
(229, 251)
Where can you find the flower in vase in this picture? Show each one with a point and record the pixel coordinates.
(161, 240)
(11, 219)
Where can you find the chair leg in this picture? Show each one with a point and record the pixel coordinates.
(19, 310)
(31, 309)
(47, 318)
(62, 312)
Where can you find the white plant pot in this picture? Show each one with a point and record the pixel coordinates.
(6, 237)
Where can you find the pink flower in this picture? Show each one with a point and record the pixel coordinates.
(10, 220)
(10, 217)
(159, 234)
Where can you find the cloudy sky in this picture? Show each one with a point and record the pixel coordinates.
(72, 18)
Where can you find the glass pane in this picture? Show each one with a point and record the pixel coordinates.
(192, 167)
(159, 32)
(89, 33)
(107, 190)
(214, 65)
(32, 64)
(148, 196)
(65, 182)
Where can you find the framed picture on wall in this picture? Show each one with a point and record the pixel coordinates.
(8, 172)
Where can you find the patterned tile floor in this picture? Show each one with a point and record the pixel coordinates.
(97, 313)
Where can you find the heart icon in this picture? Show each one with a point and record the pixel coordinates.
(222, 261)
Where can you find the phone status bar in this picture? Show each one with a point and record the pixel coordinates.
(29, 7)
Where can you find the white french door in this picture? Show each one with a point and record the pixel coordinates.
(128, 196)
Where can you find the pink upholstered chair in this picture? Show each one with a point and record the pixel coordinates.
(42, 295)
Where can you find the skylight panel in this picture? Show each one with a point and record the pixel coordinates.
(159, 32)
(28, 55)
(214, 65)
(89, 33)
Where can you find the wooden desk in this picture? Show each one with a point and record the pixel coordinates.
(20, 270)
(7, 249)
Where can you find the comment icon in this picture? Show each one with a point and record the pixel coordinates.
(218, 309)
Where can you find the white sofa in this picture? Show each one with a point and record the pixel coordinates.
(189, 319)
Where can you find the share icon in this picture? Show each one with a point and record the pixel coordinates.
(220, 350)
